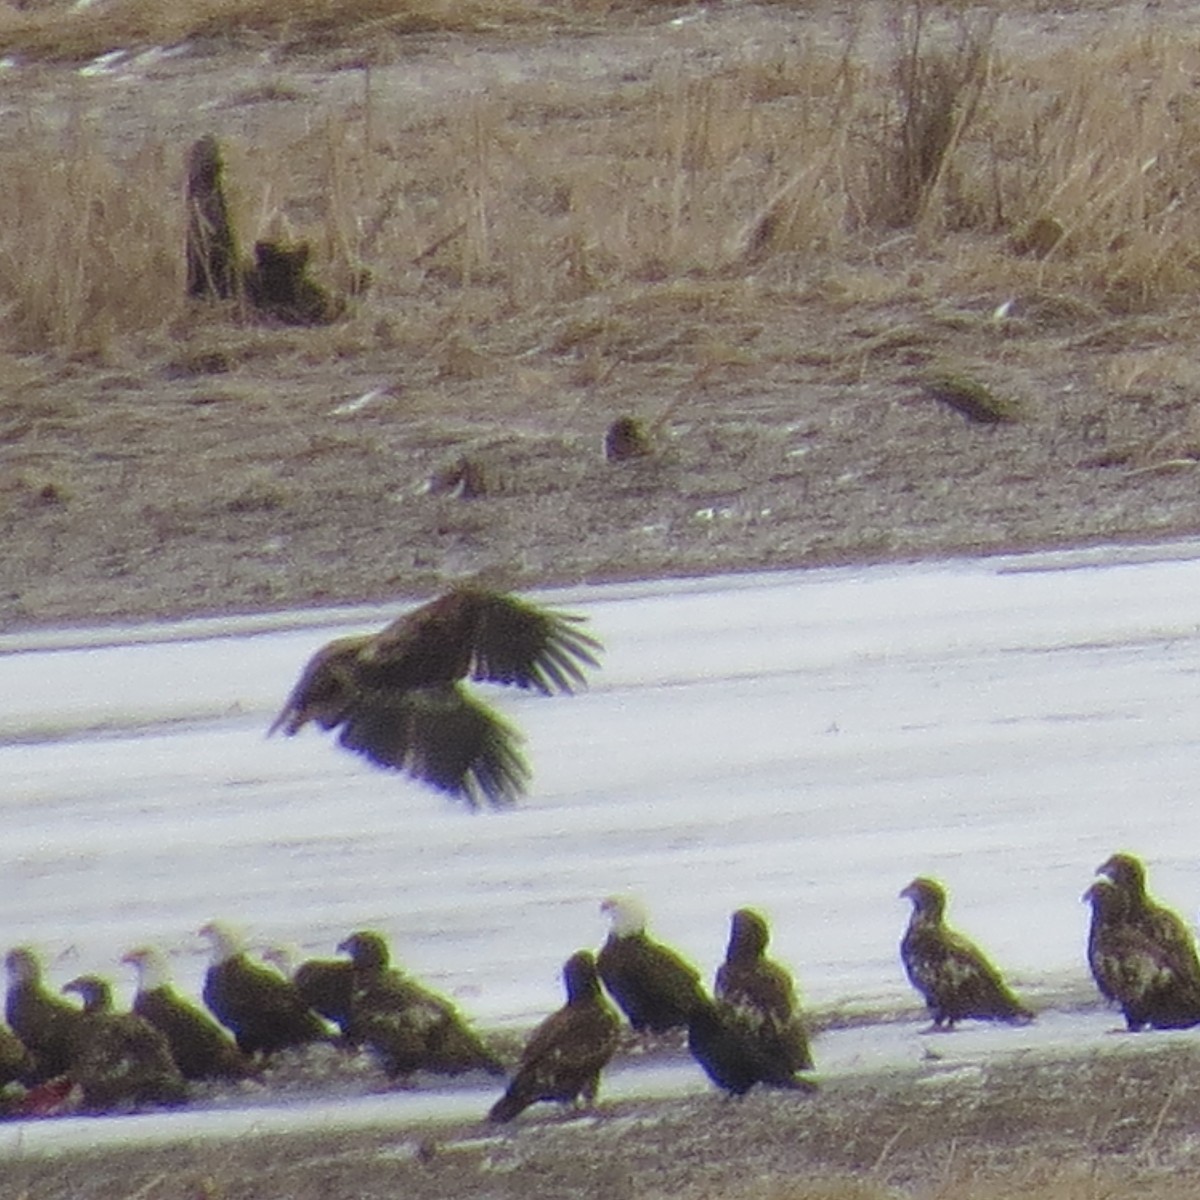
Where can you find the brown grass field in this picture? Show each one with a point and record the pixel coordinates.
(760, 230)
(779, 235)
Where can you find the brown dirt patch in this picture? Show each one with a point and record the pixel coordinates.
(206, 465)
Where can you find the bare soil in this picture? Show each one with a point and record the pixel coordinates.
(223, 466)
(231, 467)
(1117, 1123)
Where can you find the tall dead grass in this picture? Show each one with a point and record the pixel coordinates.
(1072, 171)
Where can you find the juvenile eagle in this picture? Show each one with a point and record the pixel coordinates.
(654, 987)
(565, 1054)
(1164, 927)
(405, 1026)
(732, 1054)
(398, 700)
(1135, 970)
(953, 976)
(120, 1059)
(759, 994)
(325, 984)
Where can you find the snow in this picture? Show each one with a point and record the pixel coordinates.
(803, 742)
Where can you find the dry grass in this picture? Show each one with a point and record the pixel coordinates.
(65, 31)
(1030, 174)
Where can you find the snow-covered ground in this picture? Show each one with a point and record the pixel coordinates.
(802, 742)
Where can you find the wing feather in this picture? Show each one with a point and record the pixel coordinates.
(441, 737)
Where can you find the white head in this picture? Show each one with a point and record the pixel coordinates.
(283, 958)
(627, 914)
(151, 967)
(226, 941)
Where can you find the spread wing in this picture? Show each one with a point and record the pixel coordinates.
(488, 636)
(395, 695)
(440, 737)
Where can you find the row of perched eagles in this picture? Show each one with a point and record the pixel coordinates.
(56, 1056)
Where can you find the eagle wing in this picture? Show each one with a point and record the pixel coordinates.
(487, 636)
(441, 737)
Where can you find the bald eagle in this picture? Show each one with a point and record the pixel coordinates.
(120, 1059)
(397, 698)
(44, 1022)
(1135, 970)
(565, 1054)
(200, 1047)
(264, 1011)
(759, 994)
(654, 987)
(1164, 927)
(953, 976)
(407, 1027)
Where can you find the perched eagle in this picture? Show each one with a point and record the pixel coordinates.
(199, 1046)
(1138, 972)
(732, 1054)
(120, 1058)
(405, 1026)
(655, 988)
(953, 976)
(565, 1054)
(44, 1022)
(325, 984)
(1164, 927)
(264, 1011)
(759, 994)
(398, 699)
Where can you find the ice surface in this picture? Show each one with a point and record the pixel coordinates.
(803, 742)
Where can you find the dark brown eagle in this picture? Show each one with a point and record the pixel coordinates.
(396, 695)
(1164, 927)
(759, 994)
(200, 1047)
(44, 1022)
(120, 1059)
(1135, 970)
(405, 1026)
(565, 1054)
(325, 984)
(263, 1010)
(732, 1054)
(953, 975)
(16, 1063)
(654, 987)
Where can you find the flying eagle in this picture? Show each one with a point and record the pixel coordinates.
(405, 1026)
(565, 1054)
(953, 976)
(1135, 970)
(1164, 927)
(759, 994)
(654, 987)
(398, 700)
